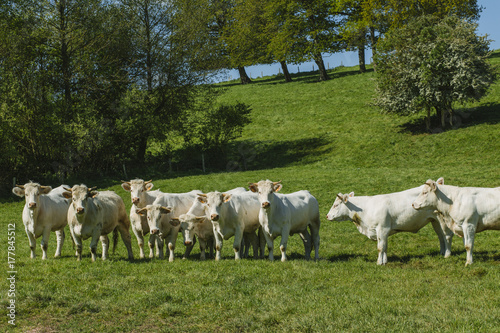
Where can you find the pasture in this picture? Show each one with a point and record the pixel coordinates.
(321, 136)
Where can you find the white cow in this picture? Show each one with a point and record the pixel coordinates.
(160, 213)
(45, 210)
(141, 196)
(196, 223)
(95, 214)
(377, 217)
(466, 210)
(232, 214)
(287, 214)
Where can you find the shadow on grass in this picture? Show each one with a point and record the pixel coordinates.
(484, 114)
(305, 77)
(344, 257)
(258, 155)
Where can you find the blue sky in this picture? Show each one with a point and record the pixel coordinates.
(489, 23)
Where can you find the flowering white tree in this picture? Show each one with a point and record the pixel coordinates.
(430, 64)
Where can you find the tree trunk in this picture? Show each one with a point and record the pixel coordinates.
(374, 46)
(141, 149)
(288, 78)
(243, 76)
(428, 119)
(65, 58)
(361, 57)
(318, 59)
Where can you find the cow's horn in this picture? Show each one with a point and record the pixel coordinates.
(67, 189)
(202, 195)
(149, 181)
(92, 188)
(276, 183)
(123, 181)
(20, 186)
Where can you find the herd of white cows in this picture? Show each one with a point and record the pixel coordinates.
(253, 218)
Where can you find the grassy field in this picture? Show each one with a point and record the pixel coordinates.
(324, 137)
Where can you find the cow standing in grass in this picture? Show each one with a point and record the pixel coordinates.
(45, 210)
(377, 217)
(95, 214)
(287, 214)
(466, 210)
(234, 213)
(141, 196)
(160, 213)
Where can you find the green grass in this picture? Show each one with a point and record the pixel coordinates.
(320, 136)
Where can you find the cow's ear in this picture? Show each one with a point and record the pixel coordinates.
(142, 211)
(351, 194)
(277, 187)
(432, 184)
(174, 221)
(126, 186)
(165, 210)
(345, 198)
(253, 187)
(149, 186)
(93, 194)
(67, 194)
(200, 219)
(226, 197)
(45, 189)
(202, 199)
(440, 181)
(18, 191)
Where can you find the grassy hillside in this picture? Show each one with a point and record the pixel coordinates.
(324, 137)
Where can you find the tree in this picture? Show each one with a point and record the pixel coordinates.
(430, 64)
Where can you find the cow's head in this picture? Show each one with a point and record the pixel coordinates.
(31, 192)
(265, 190)
(154, 215)
(188, 223)
(137, 189)
(79, 195)
(339, 210)
(427, 199)
(213, 201)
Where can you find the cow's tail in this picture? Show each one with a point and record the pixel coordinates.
(115, 238)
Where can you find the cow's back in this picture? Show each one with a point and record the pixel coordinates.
(244, 208)
(53, 209)
(302, 208)
(111, 209)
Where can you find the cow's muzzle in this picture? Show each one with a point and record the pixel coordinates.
(80, 210)
(155, 231)
(266, 204)
(214, 217)
(32, 205)
(417, 207)
(188, 243)
(136, 200)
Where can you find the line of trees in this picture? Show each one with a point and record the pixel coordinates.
(90, 85)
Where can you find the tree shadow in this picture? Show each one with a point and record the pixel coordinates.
(484, 114)
(258, 155)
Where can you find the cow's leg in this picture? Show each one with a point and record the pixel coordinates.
(306, 239)
(314, 227)
(44, 244)
(238, 237)
(211, 246)
(254, 241)
(270, 245)
(60, 235)
(93, 243)
(79, 245)
(32, 241)
(284, 240)
(382, 235)
(153, 239)
(203, 246)
(127, 240)
(105, 246)
(171, 246)
(218, 245)
(159, 247)
(140, 240)
(445, 235)
(469, 234)
(262, 243)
